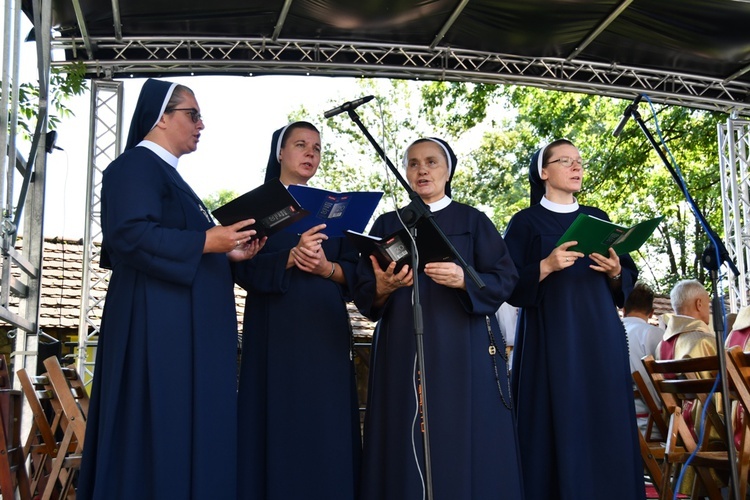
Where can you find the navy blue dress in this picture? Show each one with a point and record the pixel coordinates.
(299, 425)
(472, 438)
(163, 404)
(571, 374)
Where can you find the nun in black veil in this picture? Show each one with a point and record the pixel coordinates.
(298, 411)
(571, 370)
(472, 435)
(161, 422)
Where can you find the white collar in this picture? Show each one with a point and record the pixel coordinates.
(440, 204)
(160, 152)
(559, 207)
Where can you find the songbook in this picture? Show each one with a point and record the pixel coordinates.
(595, 235)
(270, 204)
(338, 211)
(397, 246)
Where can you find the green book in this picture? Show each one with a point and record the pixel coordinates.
(595, 235)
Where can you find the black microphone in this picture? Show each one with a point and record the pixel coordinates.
(626, 115)
(347, 106)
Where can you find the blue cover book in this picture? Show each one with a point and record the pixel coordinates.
(339, 211)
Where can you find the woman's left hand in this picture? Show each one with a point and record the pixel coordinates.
(447, 274)
(311, 260)
(608, 265)
(247, 250)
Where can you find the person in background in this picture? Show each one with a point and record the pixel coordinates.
(642, 341)
(472, 435)
(507, 318)
(571, 375)
(162, 418)
(688, 334)
(299, 427)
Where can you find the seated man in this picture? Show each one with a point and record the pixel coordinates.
(688, 334)
(642, 341)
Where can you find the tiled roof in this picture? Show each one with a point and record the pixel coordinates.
(61, 291)
(62, 285)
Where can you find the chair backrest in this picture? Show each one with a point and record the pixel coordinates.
(13, 476)
(655, 413)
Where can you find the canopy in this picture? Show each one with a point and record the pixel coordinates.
(688, 52)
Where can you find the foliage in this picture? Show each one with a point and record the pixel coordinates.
(64, 83)
(221, 197)
(496, 129)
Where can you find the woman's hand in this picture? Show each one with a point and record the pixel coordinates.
(388, 281)
(247, 250)
(308, 255)
(559, 259)
(447, 274)
(609, 265)
(223, 239)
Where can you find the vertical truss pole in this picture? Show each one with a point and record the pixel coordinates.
(104, 146)
(734, 153)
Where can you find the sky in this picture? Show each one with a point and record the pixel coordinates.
(240, 114)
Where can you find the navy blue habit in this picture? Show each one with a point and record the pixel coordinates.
(162, 420)
(472, 438)
(571, 375)
(299, 429)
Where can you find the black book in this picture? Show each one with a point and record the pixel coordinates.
(397, 246)
(270, 204)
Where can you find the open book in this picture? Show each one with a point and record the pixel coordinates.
(338, 211)
(270, 204)
(595, 235)
(397, 246)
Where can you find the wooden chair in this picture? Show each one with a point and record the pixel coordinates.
(678, 381)
(13, 476)
(652, 450)
(41, 444)
(738, 372)
(73, 403)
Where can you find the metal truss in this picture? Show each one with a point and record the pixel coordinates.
(104, 146)
(125, 57)
(734, 155)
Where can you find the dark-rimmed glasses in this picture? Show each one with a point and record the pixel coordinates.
(567, 161)
(194, 113)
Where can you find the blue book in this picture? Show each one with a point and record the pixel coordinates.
(338, 211)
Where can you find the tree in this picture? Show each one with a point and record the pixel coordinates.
(64, 83)
(219, 198)
(495, 130)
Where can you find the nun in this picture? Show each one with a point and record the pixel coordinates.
(162, 419)
(299, 426)
(571, 373)
(472, 437)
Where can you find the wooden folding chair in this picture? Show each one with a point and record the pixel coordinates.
(12, 460)
(738, 372)
(73, 402)
(677, 381)
(652, 450)
(41, 444)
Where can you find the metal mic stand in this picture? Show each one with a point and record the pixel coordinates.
(416, 210)
(709, 261)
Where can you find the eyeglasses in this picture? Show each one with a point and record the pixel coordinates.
(194, 114)
(568, 162)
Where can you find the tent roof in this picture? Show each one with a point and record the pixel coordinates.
(688, 52)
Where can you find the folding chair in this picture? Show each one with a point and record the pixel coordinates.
(73, 402)
(678, 381)
(41, 444)
(12, 460)
(738, 372)
(652, 450)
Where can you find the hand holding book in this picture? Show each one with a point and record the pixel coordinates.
(595, 235)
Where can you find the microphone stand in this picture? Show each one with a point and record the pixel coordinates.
(710, 262)
(415, 211)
